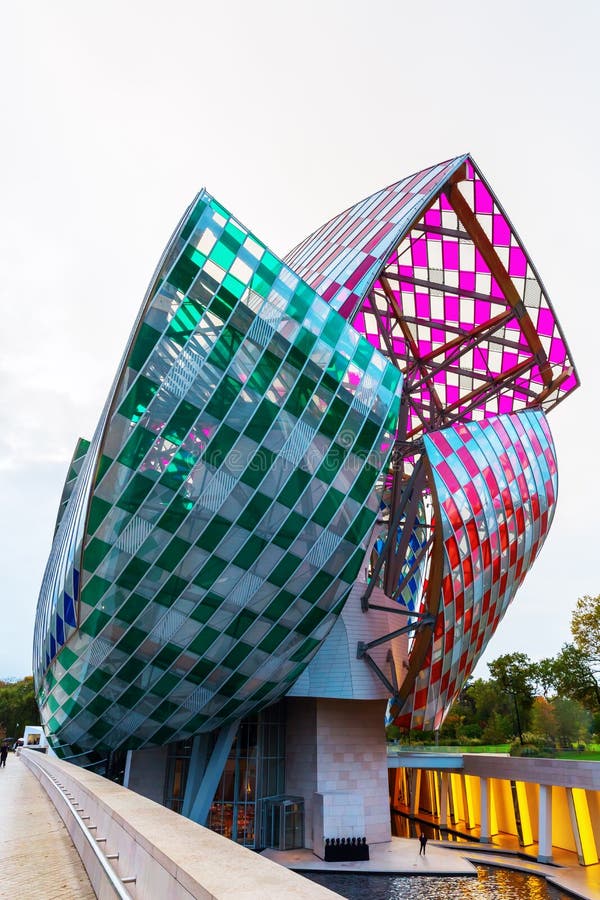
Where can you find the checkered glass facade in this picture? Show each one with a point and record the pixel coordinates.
(494, 497)
(223, 507)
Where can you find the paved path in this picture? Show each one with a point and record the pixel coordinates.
(37, 856)
(401, 857)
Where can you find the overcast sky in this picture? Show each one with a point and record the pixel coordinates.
(114, 114)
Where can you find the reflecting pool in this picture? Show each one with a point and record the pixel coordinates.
(490, 884)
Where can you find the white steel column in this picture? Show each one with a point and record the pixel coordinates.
(484, 813)
(545, 824)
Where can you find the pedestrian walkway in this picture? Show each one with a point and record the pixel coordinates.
(37, 856)
(401, 857)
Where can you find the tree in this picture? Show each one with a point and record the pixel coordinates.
(17, 706)
(515, 676)
(575, 677)
(585, 628)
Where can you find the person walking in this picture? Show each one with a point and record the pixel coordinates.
(3, 754)
(423, 843)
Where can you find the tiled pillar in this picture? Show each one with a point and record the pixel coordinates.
(484, 817)
(545, 824)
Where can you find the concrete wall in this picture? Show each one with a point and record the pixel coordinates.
(169, 856)
(148, 772)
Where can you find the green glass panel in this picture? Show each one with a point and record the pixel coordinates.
(361, 524)
(255, 510)
(133, 572)
(166, 657)
(173, 554)
(334, 326)
(176, 512)
(53, 704)
(94, 590)
(364, 484)
(305, 649)
(194, 254)
(131, 640)
(332, 463)
(258, 467)
(98, 705)
(95, 622)
(391, 377)
(294, 487)
(328, 507)
(223, 397)
(232, 685)
(233, 237)
(220, 445)
(317, 586)
(202, 668)
(145, 341)
(165, 684)
(304, 342)
(214, 533)
(290, 530)
(284, 569)
(163, 736)
(310, 622)
(71, 708)
(193, 218)
(182, 274)
(136, 447)
(178, 470)
(96, 681)
(222, 255)
(225, 348)
(171, 590)
(98, 510)
(132, 607)
(138, 398)
(300, 396)
(333, 419)
(241, 624)
(203, 641)
(366, 438)
(66, 658)
(352, 567)
(68, 684)
(209, 573)
(233, 285)
(299, 304)
(131, 697)
(362, 354)
(94, 553)
(131, 669)
(337, 366)
(164, 711)
(103, 467)
(135, 493)
(261, 421)
(237, 655)
(181, 422)
(250, 552)
(264, 372)
(273, 639)
(99, 729)
(205, 609)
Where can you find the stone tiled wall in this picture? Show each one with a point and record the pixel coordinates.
(565, 772)
(339, 746)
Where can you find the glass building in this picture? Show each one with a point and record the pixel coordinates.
(361, 425)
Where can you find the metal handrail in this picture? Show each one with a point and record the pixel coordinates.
(113, 878)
